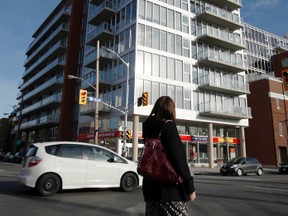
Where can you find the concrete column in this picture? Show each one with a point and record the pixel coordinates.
(242, 142)
(135, 138)
(210, 145)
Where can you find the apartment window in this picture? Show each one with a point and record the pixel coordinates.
(280, 129)
(156, 39)
(156, 15)
(148, 36)
(179, 97)
(278, 103)
(141, 35)
(149, 11)
(187, 99)
(163, 15)
(284, 62)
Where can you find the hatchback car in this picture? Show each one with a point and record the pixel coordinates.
(242, 166)
(51, 166)
(283, 167)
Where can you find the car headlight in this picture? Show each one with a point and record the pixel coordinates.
(233, 166)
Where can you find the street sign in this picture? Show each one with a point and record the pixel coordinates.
(93, 99)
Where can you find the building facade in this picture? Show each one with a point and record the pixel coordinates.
(190, 50)
(266, 136)
(47, 109)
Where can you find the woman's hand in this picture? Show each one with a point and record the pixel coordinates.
(192, 196)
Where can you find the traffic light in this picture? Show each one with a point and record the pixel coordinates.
(145, 98)
(83, 97)
(121, 135)
(128, 134)
(285, 79)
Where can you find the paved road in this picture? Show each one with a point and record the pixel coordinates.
(216, 195)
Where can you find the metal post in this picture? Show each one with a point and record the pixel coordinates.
(135, 138)
(96, 130)
(210, 146)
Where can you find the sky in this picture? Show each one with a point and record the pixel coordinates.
(19, 19)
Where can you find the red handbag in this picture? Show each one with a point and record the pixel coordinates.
(155, 165)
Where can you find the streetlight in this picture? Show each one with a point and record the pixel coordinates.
(127, 94)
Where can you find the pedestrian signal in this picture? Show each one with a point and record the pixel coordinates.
(83, 97)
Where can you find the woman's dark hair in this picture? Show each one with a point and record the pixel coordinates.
(164, 109)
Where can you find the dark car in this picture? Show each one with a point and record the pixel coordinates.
(2, 155)
(242, 166)
(283, 167)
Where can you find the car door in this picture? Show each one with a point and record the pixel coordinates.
(250, 166)
(102, 170)
(71, 165)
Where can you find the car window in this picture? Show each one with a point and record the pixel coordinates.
(71, 151)
(32, 150)
(51, 149)
(99, 154)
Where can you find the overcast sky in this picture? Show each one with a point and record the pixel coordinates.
(21, 18)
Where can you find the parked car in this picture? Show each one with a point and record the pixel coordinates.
(2, 155)
(242, 166)
(17, 157)
(283, 167)
(8, 157)
(51, 166)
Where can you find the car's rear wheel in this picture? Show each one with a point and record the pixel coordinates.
(259, 172)
(48, 185)
(239, 172)
(129, 182)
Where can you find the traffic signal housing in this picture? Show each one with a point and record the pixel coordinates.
(128, 134)
(285, 79)
(83, 97)
(145, 98)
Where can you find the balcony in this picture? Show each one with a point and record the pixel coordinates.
(40, 122)
(225, 84)
(89, 109)
(56, 50)
(225, 61)
(229, 4)
(101, 13)
(221, 38)
(54, 65)
(49, 85)
(281, 47)
(223, 110)
(90, 58)
(53, 99)
(58, 33)
(96, 2)
(102, 32)
(63, 15)
(104, 81)
(219, 17)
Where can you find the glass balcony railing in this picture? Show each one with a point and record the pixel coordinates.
(47, 84)
(221, 38)
(102, 32)
(52, 22)
(62, 27)
(223, 60)
(226, 84)
(230, 4)
(219, 16)
(224, 109)
(40, 121)
(101, 13)
(59, 44)
(58, 61)
(49, 100)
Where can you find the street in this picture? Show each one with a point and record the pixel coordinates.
(216, 195)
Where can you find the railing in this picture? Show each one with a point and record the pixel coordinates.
(100, 28)
(40, 120)
(104, 4)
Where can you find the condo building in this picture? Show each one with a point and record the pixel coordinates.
(267, 56)
(190, 50)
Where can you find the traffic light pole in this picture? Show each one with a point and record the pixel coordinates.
(127, 96)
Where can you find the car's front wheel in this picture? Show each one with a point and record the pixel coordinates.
(129, 182)
(259, 172)
(239, 172)
(48, 185)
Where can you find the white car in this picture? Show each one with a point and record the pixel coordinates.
(51, 166)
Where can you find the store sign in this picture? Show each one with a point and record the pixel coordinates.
(199, 138)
